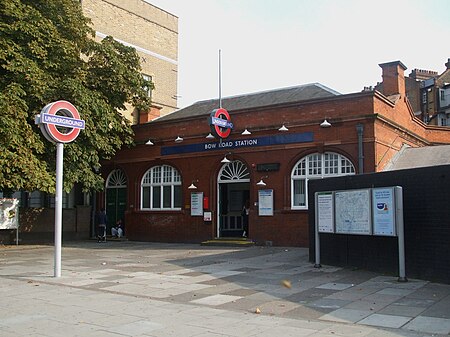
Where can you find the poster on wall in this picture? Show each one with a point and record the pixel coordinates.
(325, 211)
(196, 203)
(9, 213)
(353, 212)
(207, 216)
(265, 202)
(383, 210)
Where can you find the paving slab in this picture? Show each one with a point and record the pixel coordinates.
(386, 321)
(216, 299)
(401, 310)
(429, 324)
(336, 286)
(151, 289)
(346, 315)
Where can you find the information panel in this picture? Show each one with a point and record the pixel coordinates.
(197, 204)
(265, 202)
(352, 212)
(383, 211)
(9, 213)
(325, 208)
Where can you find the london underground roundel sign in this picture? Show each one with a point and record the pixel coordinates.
(220, 123)
(60, 122)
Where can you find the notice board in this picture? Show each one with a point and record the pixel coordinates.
(265, 202)
(325, 212)
(197, 204)
(9, 213)
(353, 212)
(383, 210)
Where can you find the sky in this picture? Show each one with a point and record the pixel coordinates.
(266, 45)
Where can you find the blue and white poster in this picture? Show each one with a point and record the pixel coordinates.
(383, 211)
(265, 202)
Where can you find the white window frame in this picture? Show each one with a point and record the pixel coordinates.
(318, 166)
(148, 89)
(116, 179)
(161, 177)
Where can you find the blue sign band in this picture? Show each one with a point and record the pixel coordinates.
(67, 122)
(303, 137)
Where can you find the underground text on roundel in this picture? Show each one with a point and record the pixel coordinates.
(63, 121)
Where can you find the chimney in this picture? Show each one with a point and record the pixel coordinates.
(421, 75)
(393, 78)
(448, 64)
(150, 114)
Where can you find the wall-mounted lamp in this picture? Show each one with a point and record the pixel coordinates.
(325, 124)
(178, 139)
(261, 182)
(149, 142)
(209, 136)
(225, 160)
(283, 128)
(192, 186)
(246, 132)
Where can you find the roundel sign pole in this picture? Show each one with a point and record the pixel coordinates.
(60, 123)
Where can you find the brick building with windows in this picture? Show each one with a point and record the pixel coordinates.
(183, 184)
(153, 32)
(428, 93)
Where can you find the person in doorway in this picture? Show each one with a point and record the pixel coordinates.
(118, 230)
(245, 213)
(102, 219)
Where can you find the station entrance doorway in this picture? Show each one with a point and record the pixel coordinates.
(116, 198)
(233, 191)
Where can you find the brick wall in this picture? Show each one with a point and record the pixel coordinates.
(426, 223)
(144, 25)
(37, 225)
(382, 138)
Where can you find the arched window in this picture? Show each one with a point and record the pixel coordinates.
(316, 166)
(116, 179)
(236, 171)
(161, 189)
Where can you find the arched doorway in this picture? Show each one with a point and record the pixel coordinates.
(116, 197)
(233, 191)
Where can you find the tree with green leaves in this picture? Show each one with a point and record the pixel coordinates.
(48, 53)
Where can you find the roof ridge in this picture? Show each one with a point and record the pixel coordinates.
(334, 92)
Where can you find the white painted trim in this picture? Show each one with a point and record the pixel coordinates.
(142, 50)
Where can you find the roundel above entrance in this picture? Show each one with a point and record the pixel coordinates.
(220, 123)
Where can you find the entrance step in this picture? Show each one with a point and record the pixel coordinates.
(112, 238)
(229, 242)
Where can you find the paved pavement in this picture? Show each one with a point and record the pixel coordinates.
(149, 289)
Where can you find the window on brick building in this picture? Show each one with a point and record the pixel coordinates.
(148, 89)
(316, 166)
(161, 189)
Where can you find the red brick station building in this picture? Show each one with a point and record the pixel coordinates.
(188, 177)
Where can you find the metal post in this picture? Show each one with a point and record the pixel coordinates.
(360, 131)
(316, 233)
(58, 207)
(400, 234)
(94, 212)
(220, 80)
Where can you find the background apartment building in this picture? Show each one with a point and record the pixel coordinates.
(428, 93)
(153, 32)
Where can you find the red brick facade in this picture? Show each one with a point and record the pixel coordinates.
(387, 126)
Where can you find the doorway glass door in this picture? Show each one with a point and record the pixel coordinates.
(233, 192)
(116, 198)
